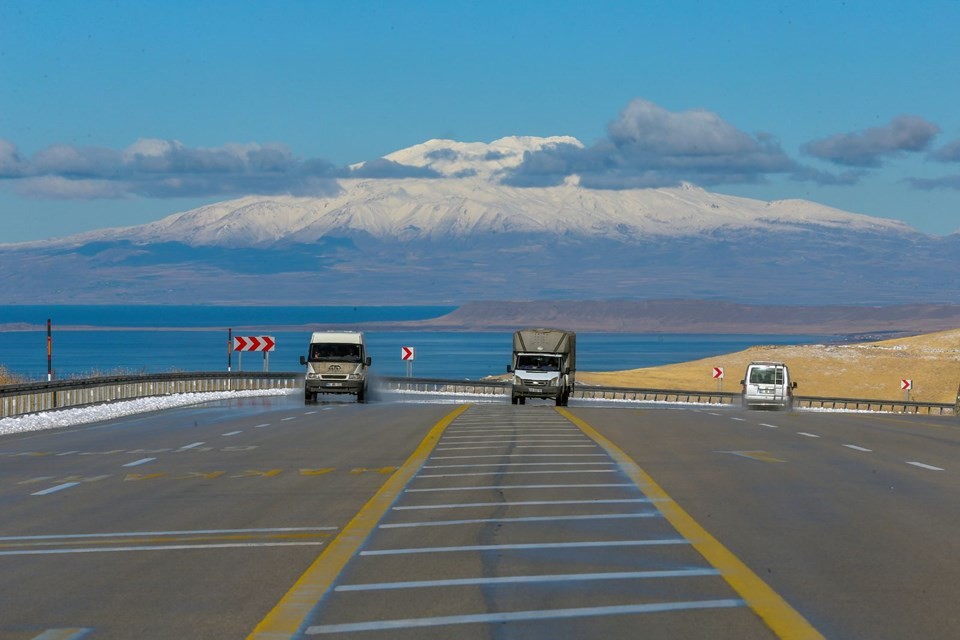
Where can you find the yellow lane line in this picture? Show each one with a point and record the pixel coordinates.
(285, 619)
(782, 619)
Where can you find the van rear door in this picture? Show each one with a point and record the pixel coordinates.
(767, 383)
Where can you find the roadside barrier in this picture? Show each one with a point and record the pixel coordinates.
(31, 397)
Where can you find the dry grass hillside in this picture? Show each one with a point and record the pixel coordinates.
(8, 378)
(869, 370)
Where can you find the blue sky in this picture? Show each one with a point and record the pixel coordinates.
(119, 113)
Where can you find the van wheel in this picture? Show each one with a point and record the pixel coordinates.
(522, 400)
(361, 395)
(513, 399)
(308, 398)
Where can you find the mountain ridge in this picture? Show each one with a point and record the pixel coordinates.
(451, 240)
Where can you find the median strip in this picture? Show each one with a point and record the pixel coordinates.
(285, 619)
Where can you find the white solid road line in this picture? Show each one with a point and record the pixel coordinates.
(525, 486)
(522, 446)
(536, 545)
(560, 577)
(525, 455)
(447, 523)
(165, 547)
(517, 616)
(503, 473)
(517, 464)
(523, 503)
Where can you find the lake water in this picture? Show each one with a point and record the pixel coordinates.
(203, 347)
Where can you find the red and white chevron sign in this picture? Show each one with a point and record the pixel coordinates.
(254, 343)
(905, 384)
(408, 353)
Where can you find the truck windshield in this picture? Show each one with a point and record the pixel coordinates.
(341, 351)
(766, 375)
(537, 362)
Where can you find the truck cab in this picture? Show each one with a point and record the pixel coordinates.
(336, 362)
(543, 365)
(767, 385)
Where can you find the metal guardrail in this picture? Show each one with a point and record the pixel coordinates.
(30, 397)
(16, 399)
(495, 387)
(891, 406)
(655, 395)
(441, 385)
(728, 397)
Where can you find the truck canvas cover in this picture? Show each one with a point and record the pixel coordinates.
(544, 341)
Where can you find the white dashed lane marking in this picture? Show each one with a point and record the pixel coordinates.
(59, 487)
(928, 467)
(137, 463)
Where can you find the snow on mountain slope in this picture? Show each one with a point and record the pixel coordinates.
(457, 207)
(475, 159)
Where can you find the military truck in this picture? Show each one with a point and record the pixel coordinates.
(544, 365)
(337, 362)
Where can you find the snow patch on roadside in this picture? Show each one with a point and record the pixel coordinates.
(109, 411)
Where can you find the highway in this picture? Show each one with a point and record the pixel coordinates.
(264, 518)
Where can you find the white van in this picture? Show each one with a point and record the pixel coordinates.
(767, 385)
(337, 362)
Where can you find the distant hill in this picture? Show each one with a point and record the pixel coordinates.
(699, 316)
(457, 233)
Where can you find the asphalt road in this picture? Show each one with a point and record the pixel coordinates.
(498, 522)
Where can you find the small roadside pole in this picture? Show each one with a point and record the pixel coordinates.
(229, 349)
(49, 351)
(408, 355)
(906, 385)
(718, 376)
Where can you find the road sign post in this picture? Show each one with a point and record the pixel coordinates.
(408, 355)
(254, 343)
(718, 376)
(906, 385)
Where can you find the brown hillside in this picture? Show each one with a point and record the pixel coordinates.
(866, 370)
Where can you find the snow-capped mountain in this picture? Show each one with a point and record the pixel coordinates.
(475, 159)
(466, 235)
(472, 201)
